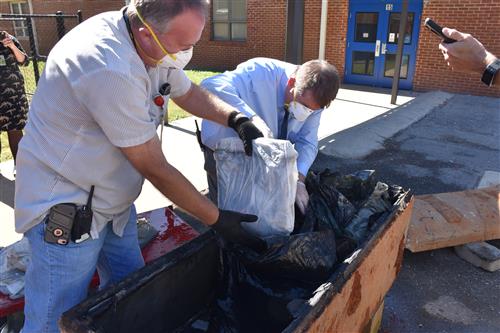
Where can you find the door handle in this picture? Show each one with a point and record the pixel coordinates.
(377, 48)
(384, 48)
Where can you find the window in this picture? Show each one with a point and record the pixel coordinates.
(229, 20)
(393, 33)
(390, 64)
(366, 27)
(363, 63)
(20, 27)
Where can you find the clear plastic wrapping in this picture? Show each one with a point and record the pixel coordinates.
(263, 184)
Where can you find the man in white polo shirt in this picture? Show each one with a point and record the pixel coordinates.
(92, 124)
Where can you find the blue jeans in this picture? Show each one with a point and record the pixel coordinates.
(58, 276)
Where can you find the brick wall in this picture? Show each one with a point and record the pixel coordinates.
(338, 14)
(336, 32)
(8, 25)
(312, 19)
(46, 28)
(266, 36)
(479, 18)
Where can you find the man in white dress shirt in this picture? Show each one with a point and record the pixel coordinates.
(284, 100)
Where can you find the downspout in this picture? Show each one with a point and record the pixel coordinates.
(322, 29)
(295, 31)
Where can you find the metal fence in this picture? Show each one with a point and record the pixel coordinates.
(37, 33)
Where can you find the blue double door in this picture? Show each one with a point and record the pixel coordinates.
(372, 39)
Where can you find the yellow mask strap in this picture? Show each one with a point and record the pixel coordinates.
(145, 54)
(154, 35)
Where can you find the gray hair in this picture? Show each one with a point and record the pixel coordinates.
(320, 77)
(159, 13)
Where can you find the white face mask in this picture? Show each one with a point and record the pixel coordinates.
(178, 60)
(299, 111)
(182, 58)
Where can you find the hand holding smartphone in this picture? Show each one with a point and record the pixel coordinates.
(438, 30)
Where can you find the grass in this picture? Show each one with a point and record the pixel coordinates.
(174, 111)
(5, 153)
(29, 75)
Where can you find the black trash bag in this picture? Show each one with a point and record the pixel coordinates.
(356, 187)
(328, 209)
(395, 192)
(255, 289)
(376, 208)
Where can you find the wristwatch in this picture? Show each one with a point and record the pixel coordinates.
(490, 72)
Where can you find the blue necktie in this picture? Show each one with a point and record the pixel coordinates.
(284, 124)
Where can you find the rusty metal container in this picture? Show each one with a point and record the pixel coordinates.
(173, 290)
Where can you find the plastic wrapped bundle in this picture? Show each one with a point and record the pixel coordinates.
(263, 184)
(13, 262)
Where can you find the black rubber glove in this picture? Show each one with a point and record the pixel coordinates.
(246, 130)
(228, 226)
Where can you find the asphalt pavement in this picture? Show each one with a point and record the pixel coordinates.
(448, 149)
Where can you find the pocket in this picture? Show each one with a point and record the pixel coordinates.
(37, 230)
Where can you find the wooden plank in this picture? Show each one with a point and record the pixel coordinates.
(359, 299)
(454, 218)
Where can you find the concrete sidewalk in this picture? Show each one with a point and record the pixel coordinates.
(353, 107)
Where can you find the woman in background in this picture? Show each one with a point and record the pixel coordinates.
(13, 102)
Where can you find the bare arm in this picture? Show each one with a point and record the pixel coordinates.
(467, 54)
(20, 56)
(203, 104)
(149, 160)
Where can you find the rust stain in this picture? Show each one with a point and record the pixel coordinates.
(399, 260)
(450, 214)
(355, 296)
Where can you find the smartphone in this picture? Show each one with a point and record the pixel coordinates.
(438, 30)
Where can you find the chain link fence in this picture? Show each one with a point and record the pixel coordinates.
(37, 33)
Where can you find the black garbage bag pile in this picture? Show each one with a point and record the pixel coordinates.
(350, 205)
(257, 291)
